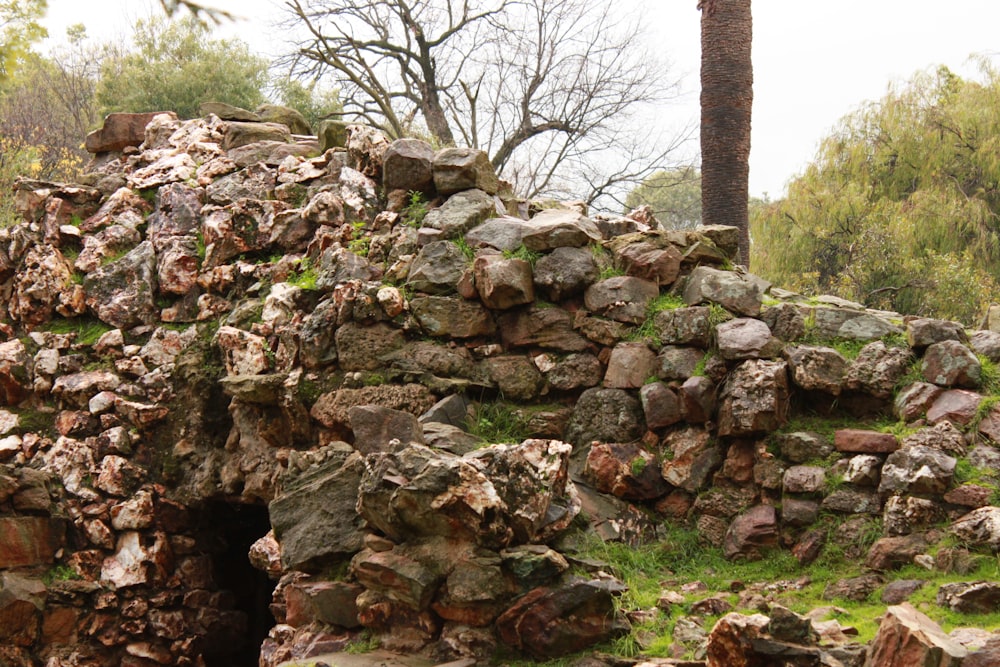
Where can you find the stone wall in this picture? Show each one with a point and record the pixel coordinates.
(220, 318)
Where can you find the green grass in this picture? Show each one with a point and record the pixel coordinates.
(467, 250)
(989, 376)
(305, 275)
(498, 423)
(647, 331)
(416, 210)
(523, 253)
(87, 330)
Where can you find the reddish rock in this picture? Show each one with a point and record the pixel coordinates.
(857, 441)
(951, 364)
(693, 456)
(331, 602)
(748, 533)
(915, 400)
(29, 540)
(745, 338)
(625, 470)
(645, 260)
(503, 283)
(957, 406)
(552, 622)
(629, 366)
(969, 495)
(660, 405)
(989, 425)
(890, 553)
(730, 643)
(698, 397)
(121, 130)
(907, 637)
(755, 398)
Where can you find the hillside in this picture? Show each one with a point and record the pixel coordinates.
(264, 402)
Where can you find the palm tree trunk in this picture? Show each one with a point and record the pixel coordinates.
(726, 101)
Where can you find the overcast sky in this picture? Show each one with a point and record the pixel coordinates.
(814, 62)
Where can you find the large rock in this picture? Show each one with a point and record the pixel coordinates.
(453, 317)
(625, 470)
(458, 169)
(121, 130)
(290, 118)
(755, 399)
(605, 415)
(552, 622)
(980, 526)
(951, 364)
(684, 326)
(29, 540)
(558, 228)
(907, 637)
(314, 517)
(548, 328)
(745, 338)
(750, 532)
(621, 298)
(730, 643)
(460, 213)
(239, 133)
(694, 455)
(817, 368)
(565, 272)
(877, 369)
(406, 165)
(917, 469)
(503, 283)
(122, 293)
(730, 290)
(970, 597)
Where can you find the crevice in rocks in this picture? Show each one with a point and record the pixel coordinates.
(229, 529)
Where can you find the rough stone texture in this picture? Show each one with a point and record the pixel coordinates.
(817, 368)
(29, 540)
(314, 517)
(750, 532)
(730, 643)
(890, 553)
(693, 457)
(877, 369)
(621, 298)
(915, 400)
(917, 469)
(565, 272)
(923, 332)
(446, 316)
(857, 441)
(406, 165)
(605, 415)
(980, 526)
(121, 130)
(956, 406)
(801, 446)
(684, 326)
(625, 470)
(745, 338)
(677, 363)
(951, 364)
(970, 597)
(754, 399)
(551, 622)
(986, 343)
(907, 637)
(460, 213)
(804, 479)
(376, 427)
(629, 366)
(558, 228)
(437, 268)
(457, 169)
(660, 405)
(730, 290)
(503, 283)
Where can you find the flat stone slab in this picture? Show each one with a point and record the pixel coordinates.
(373, 659)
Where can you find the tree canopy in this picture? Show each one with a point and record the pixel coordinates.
(19, 29)
(673, 194)
(175, 66)
(549, 88)
(901, 207)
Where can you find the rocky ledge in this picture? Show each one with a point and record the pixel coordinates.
(251, 396)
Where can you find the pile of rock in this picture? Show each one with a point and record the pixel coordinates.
(312, 332)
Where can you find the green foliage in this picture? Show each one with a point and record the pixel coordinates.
(647, 330)
(60, 573)
(416, 209)
(989, 376)
(365, 643)
(463, 245)
(175, 66)
(674, 195)
(305, 275)
(19, 29)
(498, 423)
(87, 330)
(312, 101)
(901, 207)
(522, 252)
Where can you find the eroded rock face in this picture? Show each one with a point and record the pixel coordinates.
(908, 637)
(754, 398)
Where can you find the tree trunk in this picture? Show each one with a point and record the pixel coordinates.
(726, 101)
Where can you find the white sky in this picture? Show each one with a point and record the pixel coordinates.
(814, 62)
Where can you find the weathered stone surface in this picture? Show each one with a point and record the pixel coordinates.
(858, 441)
(331, 602)
(979, 527)
(137, 561)
(798, 512)
(863, 470)
(406, 165)
(558, 228)
(903, 515)
(877, 369)
(730, 643)
(547, 328)
(698, 399)
(750, 532)
(515, 376)
(851, 324)
(890, 553)
(802, 446)
(678, 363)
(360, 348)
(290, 118)
(625, 470)
(332, 409)
(43, 286)
(726, 288)
(621, 298)
(754, 398)
(29, 540)
(503, 283)
(660, 405)
(375, 427)
(605, 415)
(565, 272)
(986, 656)
(745, 338)
(551, 622)
(437, 268)
(853, 501)
(907, 637)
(121, 130)
(970, 597)
(651, 261)
(457, 318)
(629, 366)
(240, 133)
(684, 326)
(804, 479)
(951, 364)
(956, 406)
(913, 401)
(460, 213)
(986, 343)
(917, 469)
(856, 589)
(314, 517)
(817, 368)
(457, 169)
(503, 234)
(923, 332)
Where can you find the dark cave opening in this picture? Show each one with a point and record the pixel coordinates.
(227, 530)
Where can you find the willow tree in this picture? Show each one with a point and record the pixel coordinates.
(900, 209)
(549, 88)
(726, 102)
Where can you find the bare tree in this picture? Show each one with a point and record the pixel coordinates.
(551, 89)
